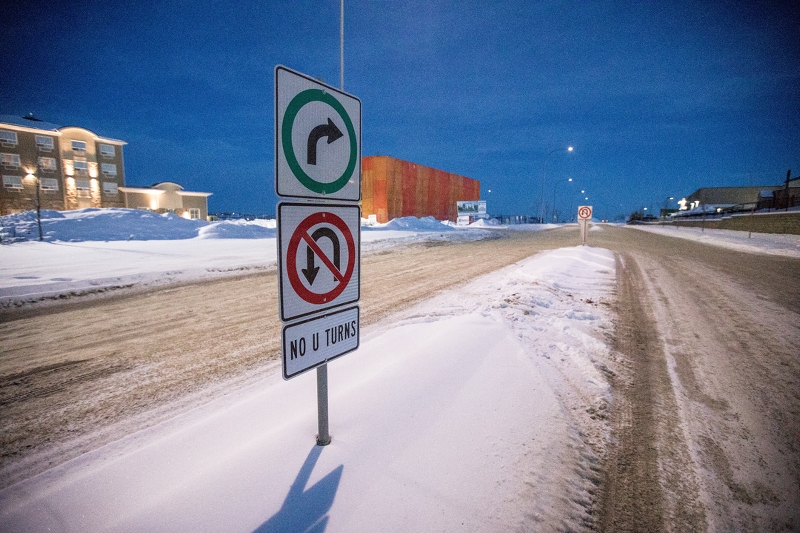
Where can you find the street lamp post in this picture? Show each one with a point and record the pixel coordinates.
(544, 173)
(555, 187)
(38, 198)
(666, 206)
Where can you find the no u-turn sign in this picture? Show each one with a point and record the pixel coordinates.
(319, 254)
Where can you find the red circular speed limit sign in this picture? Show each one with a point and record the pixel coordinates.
(325, 225)
(585, 212)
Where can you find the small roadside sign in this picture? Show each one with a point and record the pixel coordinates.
(317, 139)
(319, 255)
(584, 217)
(317, 340)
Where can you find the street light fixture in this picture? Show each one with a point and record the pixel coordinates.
(544, 173)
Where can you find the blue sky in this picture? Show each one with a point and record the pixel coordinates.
(658, 98)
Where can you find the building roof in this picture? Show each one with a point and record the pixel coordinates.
(29, 122)
(142, 190)
(728, 195)
(162, 187)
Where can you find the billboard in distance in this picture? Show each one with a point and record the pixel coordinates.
(471, 208)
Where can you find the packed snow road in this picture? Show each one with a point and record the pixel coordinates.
(706, 422)
(703, 367)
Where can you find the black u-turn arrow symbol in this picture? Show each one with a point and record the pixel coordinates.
(311, 270)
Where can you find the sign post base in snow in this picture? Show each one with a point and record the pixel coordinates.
(323, 436)
(584, 216)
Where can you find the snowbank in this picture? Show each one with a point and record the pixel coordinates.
(99, 225)
(130, 224)
(758, 243)
(411, 224)
(87, 225)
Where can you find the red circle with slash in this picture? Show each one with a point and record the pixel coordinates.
(302, 234)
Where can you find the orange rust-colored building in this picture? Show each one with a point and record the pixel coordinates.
(393, 188)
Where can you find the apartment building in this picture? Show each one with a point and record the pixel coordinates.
(59, 168)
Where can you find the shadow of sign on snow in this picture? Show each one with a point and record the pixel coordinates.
(305, 511)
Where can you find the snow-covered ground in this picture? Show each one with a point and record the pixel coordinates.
(94, 250)
(760, 243)
(468, 412)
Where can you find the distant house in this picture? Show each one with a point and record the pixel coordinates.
(71, 167)
(727, 196)
(733, 199)
(167, 197)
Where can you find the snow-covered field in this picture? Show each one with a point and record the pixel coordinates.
(481, 409)
(93, 250)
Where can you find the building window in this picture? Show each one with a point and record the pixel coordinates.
(194, 213)
(12, 182)
(78, 146)
(109, 187)
(8, 138)
(48, 164)
(107, 150)
(48, 184)
(44, 143)
(10, 160)
(109, 169)
(84, 188)
(81, 166)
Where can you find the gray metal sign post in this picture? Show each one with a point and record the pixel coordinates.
(323, 435)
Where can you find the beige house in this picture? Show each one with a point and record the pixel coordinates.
(167, 197)
(55, 167)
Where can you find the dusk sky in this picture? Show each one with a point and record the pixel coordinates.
(657, 98)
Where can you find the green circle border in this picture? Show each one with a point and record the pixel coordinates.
(294, 107)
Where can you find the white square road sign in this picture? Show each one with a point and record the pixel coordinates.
(309, 343)
(319, 247)
(317, 139)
